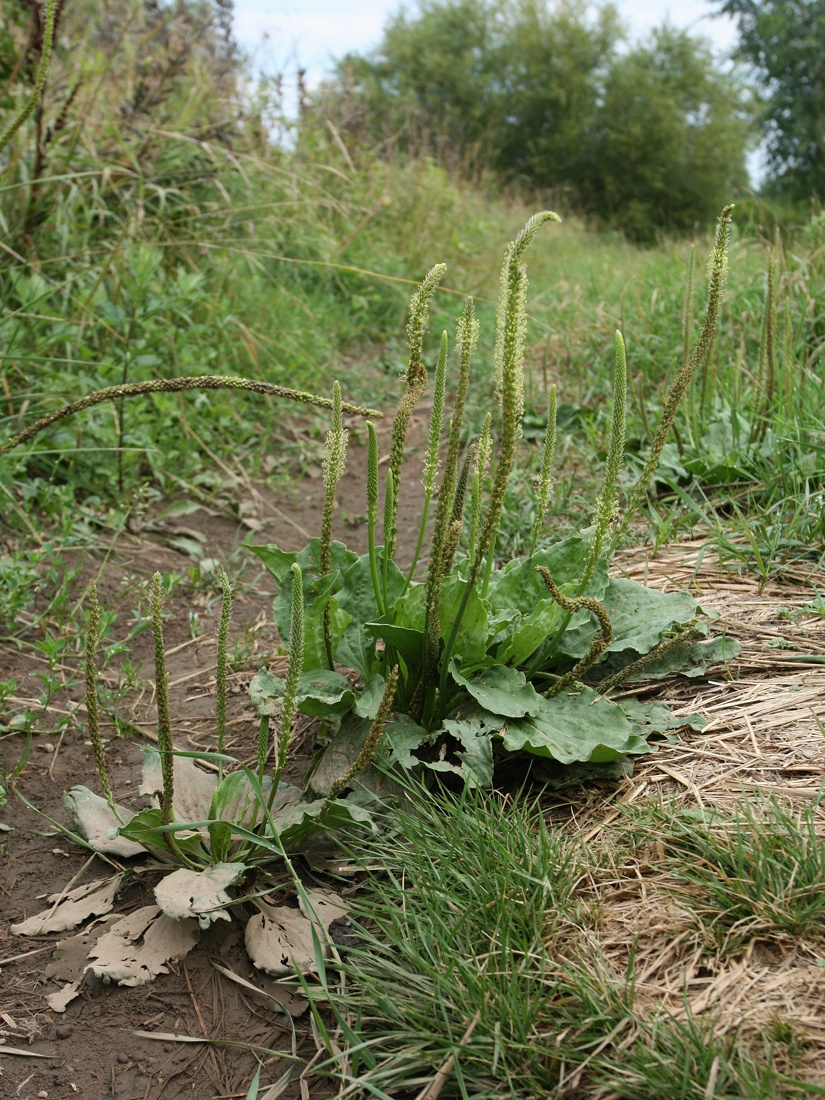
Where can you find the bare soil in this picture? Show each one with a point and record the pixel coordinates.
(92, 1050)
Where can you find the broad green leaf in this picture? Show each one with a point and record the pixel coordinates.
(518, 587)
(220, 840)
(406, 641)
(367, 705)
(266, 691)
(298, 824)
(233, 799)
(569, 728)
(144, 828)
(319, 692)
(323, 692)
(474, 732)
(529, 631)
(402, 736)
(315, 652)
(356, 597)
(474, 631)
(339, 754)
(279, 564)
(692, 658)
(501, 690)
(409, 610)
(640, 617)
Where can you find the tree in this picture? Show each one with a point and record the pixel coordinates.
(784, 42)
(653, 139)
(510, 83)
(668, 147)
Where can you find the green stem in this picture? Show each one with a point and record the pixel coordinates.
(545, 479)
(389, 518)
(488, 566)
(372, 511)
(717, 268)
(425, 513)
(467, 337)
(416, 386)
(431, 461)
(606, 505)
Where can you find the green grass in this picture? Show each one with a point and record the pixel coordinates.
(460, 956)
(479, 959)
(759, 870)
(687, 1060)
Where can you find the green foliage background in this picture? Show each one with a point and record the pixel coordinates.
(783, 41)
(651, 138)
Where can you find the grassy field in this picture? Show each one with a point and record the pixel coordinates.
(634, 935)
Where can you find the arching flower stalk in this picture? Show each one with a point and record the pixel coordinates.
(717, 270)
(433, 443)
(416, 386)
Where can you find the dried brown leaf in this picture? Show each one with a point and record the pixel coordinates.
(192, 795)
(136, 949)
(199, 894)
(94, 818)
(71, 909)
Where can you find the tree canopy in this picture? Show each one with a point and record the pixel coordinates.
(651, 139)
(784, 42)
(668, 145)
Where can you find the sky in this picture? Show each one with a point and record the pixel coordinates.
(280, 35)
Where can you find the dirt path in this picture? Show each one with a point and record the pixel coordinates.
(93, 1050)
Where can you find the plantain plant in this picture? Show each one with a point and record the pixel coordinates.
(442, 672)
(488, 659)
(219, 837)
